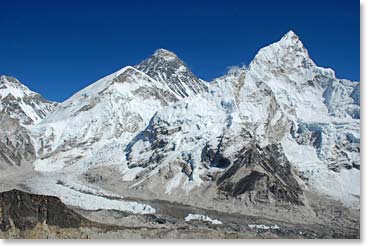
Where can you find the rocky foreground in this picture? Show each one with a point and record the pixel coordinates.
(29, 216)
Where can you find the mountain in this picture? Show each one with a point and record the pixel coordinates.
(22, 104)
(20, 108)
(99, 120)
(283, 102)
(279, 133)
(165, 67)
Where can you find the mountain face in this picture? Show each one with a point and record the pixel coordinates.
(263, 135)
(165, 67)
(94, 125)
(282, 97)
(16, 148)
(22, 104)
(19, 108)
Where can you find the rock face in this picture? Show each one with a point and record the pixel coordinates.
(16, 147)
(21, 210)
(165, 67)
(261, 176)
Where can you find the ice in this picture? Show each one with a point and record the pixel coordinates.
(200, 217)
(263, 227)
(85, 199)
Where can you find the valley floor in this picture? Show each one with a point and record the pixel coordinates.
(172, 221)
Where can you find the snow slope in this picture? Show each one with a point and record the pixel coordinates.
(99, 120)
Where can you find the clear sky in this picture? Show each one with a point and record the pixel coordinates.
(58, 47)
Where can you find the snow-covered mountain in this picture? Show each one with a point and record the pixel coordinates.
(22, 104)
(283, 102)
(261, 134)
(97, 122)
(19, 108)
(323, 111)
(165, 67)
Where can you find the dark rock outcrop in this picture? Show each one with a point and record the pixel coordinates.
(261, 175)
(24, 211)
(214, 156)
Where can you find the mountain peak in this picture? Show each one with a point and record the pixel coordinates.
(4, 79)
(165, 54)
(12, 86)
(287, 57)
(20, 103)
(165, 67)
(290, 35)
(290, 39)
(289, 45)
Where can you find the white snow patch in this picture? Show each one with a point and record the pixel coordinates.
(201, 217)
(263, 227)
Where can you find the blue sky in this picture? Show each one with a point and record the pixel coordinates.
(58, 47)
